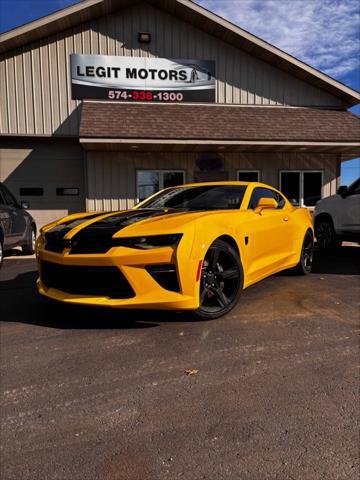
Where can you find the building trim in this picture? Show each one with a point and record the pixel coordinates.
(151, 141)
(189, 11)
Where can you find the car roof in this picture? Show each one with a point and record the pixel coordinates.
(233, 182)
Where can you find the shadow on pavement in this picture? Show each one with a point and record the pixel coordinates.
(20, 302)
(342, 261)
(13, 252)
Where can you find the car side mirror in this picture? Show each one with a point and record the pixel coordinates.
(343, 191)
(25, 205)
(266, 204)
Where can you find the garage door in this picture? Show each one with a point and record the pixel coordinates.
(48, 175)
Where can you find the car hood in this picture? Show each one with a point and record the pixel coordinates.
(135, 222)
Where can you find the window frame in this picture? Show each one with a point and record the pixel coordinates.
(248, 170)
(301, 183)
(23, 194)
(58, 189)
(161, 178)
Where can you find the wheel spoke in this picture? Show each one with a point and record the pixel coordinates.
(230, 273)
(221, 297)
(203, 295)
(214, 257)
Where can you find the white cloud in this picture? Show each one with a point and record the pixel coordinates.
(323, 33)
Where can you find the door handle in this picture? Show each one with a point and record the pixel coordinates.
(286, 219)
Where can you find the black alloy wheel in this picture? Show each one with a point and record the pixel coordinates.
(325, 234)
(307, 254)
(221, 281)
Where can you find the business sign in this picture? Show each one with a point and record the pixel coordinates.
(135, 79)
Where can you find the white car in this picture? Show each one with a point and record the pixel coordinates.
(337, 218)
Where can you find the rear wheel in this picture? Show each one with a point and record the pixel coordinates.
(221, 281)
(307, 253)
(325, 234)
(29, 247)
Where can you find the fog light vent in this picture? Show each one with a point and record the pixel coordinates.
(165, 275)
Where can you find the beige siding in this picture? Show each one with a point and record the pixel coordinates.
(111, 176)
(48, 165)
(35, 93)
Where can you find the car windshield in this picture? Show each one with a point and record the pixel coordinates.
(204, 197)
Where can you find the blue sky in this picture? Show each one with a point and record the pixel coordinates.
(322, 33)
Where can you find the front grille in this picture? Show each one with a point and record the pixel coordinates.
(90, 244)
(79, 280)
(54, 243)
(165, 275)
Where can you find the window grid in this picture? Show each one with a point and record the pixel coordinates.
(250, 170)
(301, 183)
(161, 173)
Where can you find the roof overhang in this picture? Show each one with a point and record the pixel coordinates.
(108, 125)
(189, 12)
(347, 150)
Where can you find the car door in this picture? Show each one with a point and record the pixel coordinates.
(6, 220)
(270, 234)
(17, 221)
(349, 217)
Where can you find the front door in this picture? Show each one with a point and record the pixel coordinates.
(270, 233)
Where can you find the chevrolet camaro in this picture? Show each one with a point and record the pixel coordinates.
(192, 247)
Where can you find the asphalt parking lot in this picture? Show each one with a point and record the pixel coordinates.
(101, 394)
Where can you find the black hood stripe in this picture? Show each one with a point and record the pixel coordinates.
(98, 234)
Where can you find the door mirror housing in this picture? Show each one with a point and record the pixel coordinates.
(343, 191)
(25, 205)
(266, 204)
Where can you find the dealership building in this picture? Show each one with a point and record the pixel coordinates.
(108, 101)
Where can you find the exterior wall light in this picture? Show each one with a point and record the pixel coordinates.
(144, 37)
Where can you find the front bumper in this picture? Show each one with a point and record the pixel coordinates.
(148, 293)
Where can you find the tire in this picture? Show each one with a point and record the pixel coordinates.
(29, 247)
(307, 253)
(1, 253)
(221, 280)
(325, 234)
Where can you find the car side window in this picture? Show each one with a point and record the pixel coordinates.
(2, 199)
(260, 192)
(9, 197)
(355, 188)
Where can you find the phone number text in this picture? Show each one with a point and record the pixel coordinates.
(145, 96)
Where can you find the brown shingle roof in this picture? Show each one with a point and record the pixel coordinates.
(216, 122)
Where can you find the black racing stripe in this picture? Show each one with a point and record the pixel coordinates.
(97, 237)
(54, 238)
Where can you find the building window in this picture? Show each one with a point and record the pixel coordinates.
(302, 187)
(151, 181)
(248, 175)
(66, 191)
(31, 192)
(261, 192)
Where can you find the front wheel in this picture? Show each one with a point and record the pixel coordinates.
(221, 281)
(307, 253)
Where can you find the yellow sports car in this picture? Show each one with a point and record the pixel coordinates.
(192, 247)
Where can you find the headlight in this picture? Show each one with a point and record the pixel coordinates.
(152, 241)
